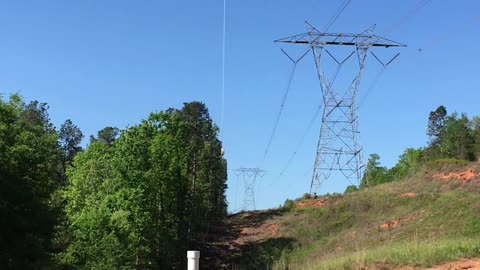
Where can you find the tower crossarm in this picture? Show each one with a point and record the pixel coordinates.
(339, 153)
(340, 39)
(250, 171)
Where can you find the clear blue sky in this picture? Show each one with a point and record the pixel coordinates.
(111, 63)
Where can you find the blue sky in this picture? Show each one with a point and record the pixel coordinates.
(111, 63)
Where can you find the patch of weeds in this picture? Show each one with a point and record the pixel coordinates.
(473, 226)
(263, 255)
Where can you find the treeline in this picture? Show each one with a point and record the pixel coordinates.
(133, 199)
(454, 137)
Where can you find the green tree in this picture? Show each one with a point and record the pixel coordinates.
(435, 127)
(107, 135)
(475, 127)
(70, 137)
(374, 173)
(451, 136)
(350, 189)
(407, 164)
(105, 214)
(29, 155)
(145, 198)
(205, 166)
(458, 140)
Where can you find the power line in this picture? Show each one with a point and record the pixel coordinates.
(332, 20)
(223, 69)
(300, 143)
(439, 39)
(377, 78)
(434, 40)
(282, 105)
(284, 98)
(336, 14)
(372, 85)
(420, 4)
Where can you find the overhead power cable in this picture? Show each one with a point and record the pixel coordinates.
(302, 139)
(447, 35)
(372, 85)
(284, 98)
(410, 14)
(377, 78)
(223, 68)
(336, 14)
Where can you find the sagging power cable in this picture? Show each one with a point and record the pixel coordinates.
(284, 98)
(336, 14)
(377, 78)
(223, 68)
(302, 139)
(410, 14)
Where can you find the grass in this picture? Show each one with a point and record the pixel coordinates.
(441, 225)
(423, 254)
(447, 164)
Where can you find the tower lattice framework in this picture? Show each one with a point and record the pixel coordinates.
(249, 177)
(338, 148)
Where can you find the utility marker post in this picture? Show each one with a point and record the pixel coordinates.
(193, 257)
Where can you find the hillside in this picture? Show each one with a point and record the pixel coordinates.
(427, 220)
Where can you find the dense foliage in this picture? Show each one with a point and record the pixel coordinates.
(138, 198)
(29, 158)
(451, 137)
(133, 199)
(136, 203)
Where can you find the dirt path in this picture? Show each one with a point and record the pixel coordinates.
(227, 244)
(237, 243)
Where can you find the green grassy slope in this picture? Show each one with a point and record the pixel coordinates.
(378, 227)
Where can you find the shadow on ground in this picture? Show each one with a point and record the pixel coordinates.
(262, 255)
(226, 247)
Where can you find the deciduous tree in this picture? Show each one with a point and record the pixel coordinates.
(29, 155)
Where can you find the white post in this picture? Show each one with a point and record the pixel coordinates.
(193, 257)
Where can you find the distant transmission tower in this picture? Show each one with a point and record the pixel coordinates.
(249, 176)
(338, 148)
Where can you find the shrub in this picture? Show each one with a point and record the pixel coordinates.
(306, 196)
(288, 205)
(351, 188)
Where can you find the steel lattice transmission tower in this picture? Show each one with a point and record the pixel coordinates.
(338, 148)
(249, 176)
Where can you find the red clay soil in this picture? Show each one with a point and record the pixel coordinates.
(311, 204)
(394, 223)
(240, 231)
(463, 177)
(253, 234)
(255, 230)
(408, 194)
(471, 264)
(460, 264)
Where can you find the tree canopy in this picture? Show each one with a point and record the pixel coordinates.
(138, 198)
(451, 136)
(133, 199)
(145, 198)
(29, 158)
